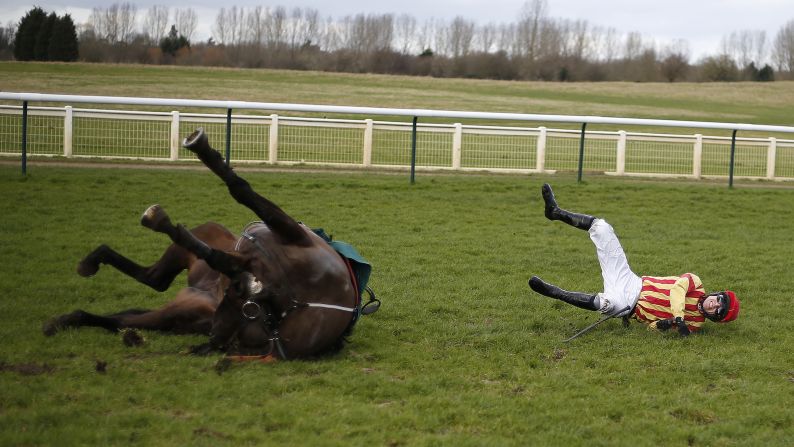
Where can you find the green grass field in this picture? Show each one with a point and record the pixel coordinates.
(461, 352)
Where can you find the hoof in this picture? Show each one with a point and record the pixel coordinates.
(130, 337)
(155, 218)
(87, 268)
(57, 324)
(196, 141)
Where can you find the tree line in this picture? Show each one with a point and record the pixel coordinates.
(535, 46)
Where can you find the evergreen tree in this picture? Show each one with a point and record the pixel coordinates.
(27, 31)
(766, 74)
(63, 41)
(43, 38)
(173, 42)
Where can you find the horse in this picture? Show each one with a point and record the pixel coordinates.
(280, 291)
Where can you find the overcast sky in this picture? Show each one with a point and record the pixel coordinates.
(703, 23)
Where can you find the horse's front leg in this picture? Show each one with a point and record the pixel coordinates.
(270, 213)
(156, 219)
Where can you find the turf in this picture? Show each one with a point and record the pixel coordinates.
(461, 352)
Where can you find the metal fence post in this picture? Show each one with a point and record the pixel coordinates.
(697, 157)
(228, 135)
(621, 157)
(272, 150)
(413, 151)
(174, 135)
(733, 156)
(581, 153)
(24, 138)
(457, 142)
(771, 155)
(67, 131)
(367, 156)
(540, 157)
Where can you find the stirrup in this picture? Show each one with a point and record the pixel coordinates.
(372, 305)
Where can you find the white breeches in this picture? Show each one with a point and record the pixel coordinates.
(621, 285)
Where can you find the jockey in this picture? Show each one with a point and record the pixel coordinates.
(660, 302)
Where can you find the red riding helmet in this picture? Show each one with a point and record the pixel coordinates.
(729, 307)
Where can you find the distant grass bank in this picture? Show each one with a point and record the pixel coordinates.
(745, 102)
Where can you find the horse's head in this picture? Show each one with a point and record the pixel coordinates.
(289, 298)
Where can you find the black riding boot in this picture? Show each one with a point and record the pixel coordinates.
(578, 299)
(554, 212)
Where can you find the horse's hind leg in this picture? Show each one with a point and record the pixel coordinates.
(270, 213)
(190, 312)
(158, 276)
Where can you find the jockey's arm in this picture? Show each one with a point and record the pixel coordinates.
(678, 297)
(677, 302)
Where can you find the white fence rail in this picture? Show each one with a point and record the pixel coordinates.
(275, 139)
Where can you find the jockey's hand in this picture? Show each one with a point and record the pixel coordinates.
(664, 325)
(682, 327)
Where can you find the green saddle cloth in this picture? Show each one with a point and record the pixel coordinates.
(361, 268)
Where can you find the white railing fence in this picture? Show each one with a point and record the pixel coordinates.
(275, 139)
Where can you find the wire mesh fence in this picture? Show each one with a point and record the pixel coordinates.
(53, 131)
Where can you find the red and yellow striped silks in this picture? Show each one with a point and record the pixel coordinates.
(664, 297)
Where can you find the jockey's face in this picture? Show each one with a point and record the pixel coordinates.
(711, 305)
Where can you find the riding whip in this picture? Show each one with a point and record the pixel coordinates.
(603, 319)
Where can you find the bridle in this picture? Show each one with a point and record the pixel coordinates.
(252, 311)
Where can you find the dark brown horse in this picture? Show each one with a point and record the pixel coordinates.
(278, 290)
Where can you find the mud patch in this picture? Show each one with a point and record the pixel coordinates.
(27, 369)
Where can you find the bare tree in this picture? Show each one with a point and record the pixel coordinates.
(221, 30)
(405, 34)
(228, 29)
(114, 24)
(185, 21)
(485, 38)
(506, 39)
(310, 31)
(610, 45)
(155, 22)
(328, 36)
(294, 25)
(675, 62)
(126, 20)
(426, 37)
(745, 47)
(255, 25)
(275, 27)
(458, 37)
(364, 34)
(784, 48)
(632, 47)
(530, 23)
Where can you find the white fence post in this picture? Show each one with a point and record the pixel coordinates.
(457, 139)
(540, 164)
(367, 158)
(174, 135)
(621, 167)
(67, 132)
(273, 143)
(697, 158)
(771, 154)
